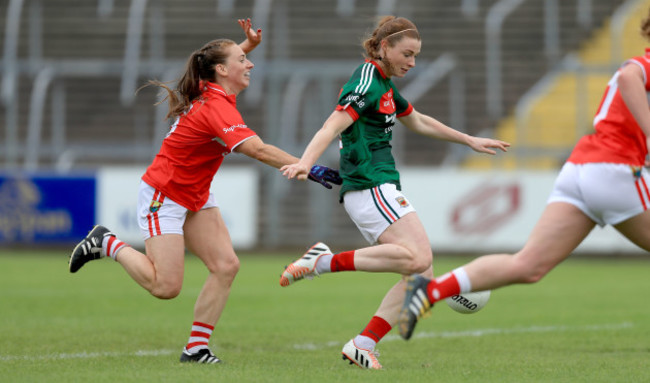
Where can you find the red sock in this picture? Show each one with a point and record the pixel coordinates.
(376, 329)
(199, 337)
(443, 287)
(343, 261)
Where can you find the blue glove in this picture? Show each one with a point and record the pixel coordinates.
(324, 176)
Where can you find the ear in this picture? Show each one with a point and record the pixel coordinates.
(221, 70)
(383, 46)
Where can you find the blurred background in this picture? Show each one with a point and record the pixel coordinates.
(75, 137)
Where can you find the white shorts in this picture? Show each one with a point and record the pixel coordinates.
(607, 193)
(373, 210)
(159, 215)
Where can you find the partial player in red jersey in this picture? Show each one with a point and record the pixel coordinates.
(603, 182)
(175, 207)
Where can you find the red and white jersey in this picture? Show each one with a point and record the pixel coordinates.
(195, 146)
(618, 137)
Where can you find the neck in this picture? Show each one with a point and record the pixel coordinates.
(228, 88)
(384, 67)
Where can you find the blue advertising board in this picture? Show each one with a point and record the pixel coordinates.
(46, 208)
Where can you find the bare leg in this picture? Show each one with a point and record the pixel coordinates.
(160, 271)
(560, 229)
(408, 238)
(637, 230)
(403, 248)
(394, 298)
(208, 238)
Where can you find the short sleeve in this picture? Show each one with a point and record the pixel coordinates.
(402, 107)
(644, 64)
(357, 96)
(231, 130)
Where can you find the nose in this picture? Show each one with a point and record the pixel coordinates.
(250, 64)
(411, 63)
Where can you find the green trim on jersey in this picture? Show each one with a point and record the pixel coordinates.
(366, 158)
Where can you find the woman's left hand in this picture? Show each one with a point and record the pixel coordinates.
(253, 36)
(484, 145)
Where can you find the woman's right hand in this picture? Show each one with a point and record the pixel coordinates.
(296, 170)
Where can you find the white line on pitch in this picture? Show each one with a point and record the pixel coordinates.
(86, 355)
(481, 332)
(315, 346)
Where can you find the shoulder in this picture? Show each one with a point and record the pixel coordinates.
(364, 79)
(222, 107)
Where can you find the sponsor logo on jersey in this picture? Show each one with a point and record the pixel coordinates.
(390, 118)
(386, 103)
(233, 127)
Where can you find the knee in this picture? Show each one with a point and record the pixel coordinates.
(533, 276)
(166, 290)
(529, 272)
(226, 269)
(419, 261)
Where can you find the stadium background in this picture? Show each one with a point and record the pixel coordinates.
(528, 71)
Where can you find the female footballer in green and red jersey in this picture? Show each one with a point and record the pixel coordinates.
(368, 107)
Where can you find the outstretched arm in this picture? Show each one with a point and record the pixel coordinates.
(337, 122)
(271, 155)
(253, 37)
(430, 127)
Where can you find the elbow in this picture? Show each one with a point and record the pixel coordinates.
(261, 154)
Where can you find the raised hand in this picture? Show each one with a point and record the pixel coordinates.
(253, 37)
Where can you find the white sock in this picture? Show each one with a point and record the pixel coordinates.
(324, 264)
(463, 280)
(364, 342)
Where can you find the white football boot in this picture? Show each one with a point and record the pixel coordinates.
(305, 266)
(363, 358)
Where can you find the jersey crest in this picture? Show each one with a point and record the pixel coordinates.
(386, 103)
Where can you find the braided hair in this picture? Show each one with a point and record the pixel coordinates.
(392, 29)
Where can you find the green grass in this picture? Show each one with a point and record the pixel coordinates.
(587, 321)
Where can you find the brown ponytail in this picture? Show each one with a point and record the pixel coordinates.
(200, 67)
(391, 28)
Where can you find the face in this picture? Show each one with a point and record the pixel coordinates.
(235, 74)
(401, 57)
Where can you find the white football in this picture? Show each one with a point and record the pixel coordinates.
(468, 303)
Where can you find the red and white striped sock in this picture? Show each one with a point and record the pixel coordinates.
(199, 337)
(449, 284)
(111, 246)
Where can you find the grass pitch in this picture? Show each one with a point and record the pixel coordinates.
(587, 321)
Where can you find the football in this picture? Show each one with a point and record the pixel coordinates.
(468, 303)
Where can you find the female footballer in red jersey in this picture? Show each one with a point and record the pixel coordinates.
(176, 209)
(603, 182)
(368, 107)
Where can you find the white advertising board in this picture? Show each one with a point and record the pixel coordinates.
(117, 189)
(485, 212)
